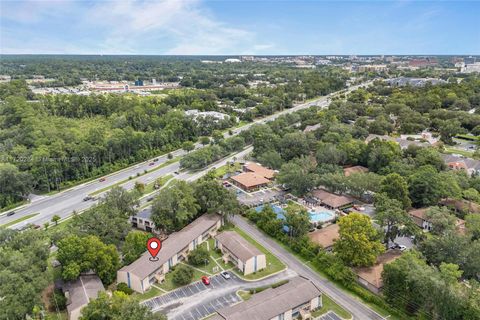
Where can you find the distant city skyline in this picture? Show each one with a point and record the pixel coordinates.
(176, 27)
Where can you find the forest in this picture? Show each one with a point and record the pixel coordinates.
(51, 142)
(444, 264)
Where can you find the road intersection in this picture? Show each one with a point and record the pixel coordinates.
(66, 202)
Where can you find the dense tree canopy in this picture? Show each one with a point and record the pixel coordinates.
(358, 244)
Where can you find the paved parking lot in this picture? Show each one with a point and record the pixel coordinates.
(158, 303)
(259, 197)
(210, 307)
(329, 316)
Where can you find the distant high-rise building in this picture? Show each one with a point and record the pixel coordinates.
(154, 82)
(139, 83)
(470, 60)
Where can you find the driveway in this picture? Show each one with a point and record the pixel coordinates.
(196, 300)
(351, 304)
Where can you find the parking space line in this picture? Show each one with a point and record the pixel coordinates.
(191, 290)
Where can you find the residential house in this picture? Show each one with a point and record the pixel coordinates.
(326, 236)
(143, 221)
(296, 298)
(253, 177)
(371, 277)
(249, 181)
(259, 170)
(418, 216)
(420, 219)
(355, 169)
(331, 200)
(461, 205)
(404, 143)
(142, 273)
(312, 127)
(471, 166)
(245, 256)
(80, 292)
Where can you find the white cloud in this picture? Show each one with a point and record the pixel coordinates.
(123, 26)
(176, 26)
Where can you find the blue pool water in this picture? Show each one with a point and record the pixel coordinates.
(278, 211)
(321, 216)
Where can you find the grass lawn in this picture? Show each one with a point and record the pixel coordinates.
(11, 223)
(169, 285)
(56, 316)
(330, 305)
(62, 225)
(149, 188)
(220, 172)
(295, 206)
(168, 162)
(465, 153)
(245, 295)
(204, 270)
(152, 292)
(273, 263)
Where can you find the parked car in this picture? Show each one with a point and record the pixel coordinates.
(87, 198)
(102, 179)
(36, 226)
(155, 160)
(151, 164)
(402, 247)
(149, 199)
(225, 274)
(205, 280)
(176, 172)
(11, 213)
(394, 246)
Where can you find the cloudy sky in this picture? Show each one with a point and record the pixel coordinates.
(239, 27)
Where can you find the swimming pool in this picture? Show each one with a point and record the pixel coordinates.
(321, 216)
(278, 211)
(315, 216)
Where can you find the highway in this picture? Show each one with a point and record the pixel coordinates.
(65, 202)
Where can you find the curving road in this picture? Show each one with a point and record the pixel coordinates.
(358, 309)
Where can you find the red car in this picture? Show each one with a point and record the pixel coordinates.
(102, 179)
(205, 280)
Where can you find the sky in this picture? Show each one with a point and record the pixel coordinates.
(226, 27)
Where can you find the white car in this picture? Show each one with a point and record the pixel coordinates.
(402, 247)
(225, 274)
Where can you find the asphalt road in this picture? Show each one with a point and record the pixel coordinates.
(65, 202)
(196, 300)
(355, 307)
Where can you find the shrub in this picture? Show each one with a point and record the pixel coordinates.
(198, 256)
(279, 283)
(57, 299)
(182, 275)
(123, 287)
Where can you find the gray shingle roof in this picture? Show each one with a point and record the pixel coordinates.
(143, 267)
(272, 302)
(145, 213)
(240, 247)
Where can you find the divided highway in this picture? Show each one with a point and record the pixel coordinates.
(65, 202)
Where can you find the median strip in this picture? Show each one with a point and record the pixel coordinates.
(11, 223)
(167, 163)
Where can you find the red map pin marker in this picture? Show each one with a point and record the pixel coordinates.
(153, 246)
